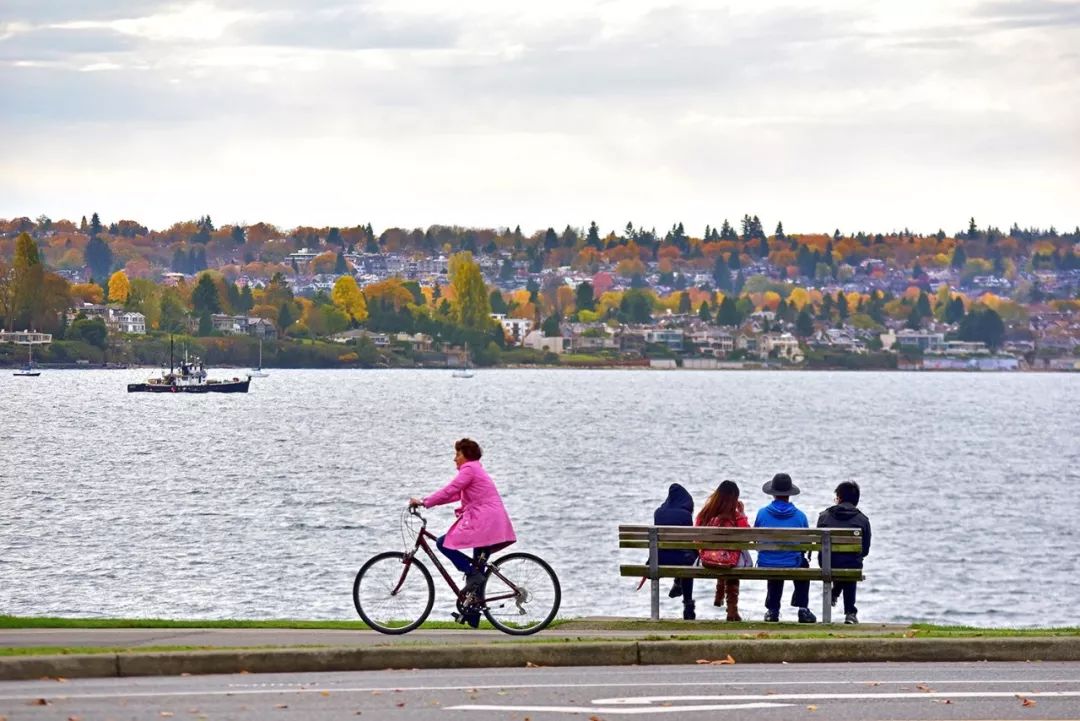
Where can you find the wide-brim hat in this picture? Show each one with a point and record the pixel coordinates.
(780, 485)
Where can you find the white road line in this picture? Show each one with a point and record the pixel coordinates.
(634, 700)
(617, 711)
(642, 705)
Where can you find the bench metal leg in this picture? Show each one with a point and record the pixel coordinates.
(656, 599)
(826, 603)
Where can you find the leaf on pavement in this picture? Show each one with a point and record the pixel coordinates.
(530, 664)
(923, 687)
(1026, 701)
(811, 708)
(717, 662)
(324, 693)
(282, 705)
(942, 700)
(39, 702)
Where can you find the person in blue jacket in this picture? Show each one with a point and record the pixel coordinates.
(782, 513)
(678, 510)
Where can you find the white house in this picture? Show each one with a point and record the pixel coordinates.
(131, 322)
(538, 341)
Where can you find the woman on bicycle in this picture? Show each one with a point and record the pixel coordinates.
(482, 521)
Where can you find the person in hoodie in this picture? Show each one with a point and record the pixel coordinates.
(845, 515)
(782, 513)
(678, 510)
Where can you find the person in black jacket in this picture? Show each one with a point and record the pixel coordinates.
(678, 510)
(845, 515)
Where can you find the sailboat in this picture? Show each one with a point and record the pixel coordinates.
(258, 372)
(28, 370)
(464, 372)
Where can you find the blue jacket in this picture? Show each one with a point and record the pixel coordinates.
(676, 510)
(780, 514)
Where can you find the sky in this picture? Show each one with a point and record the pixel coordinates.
(831, 114)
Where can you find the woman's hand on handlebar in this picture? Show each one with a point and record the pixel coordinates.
(415, 503)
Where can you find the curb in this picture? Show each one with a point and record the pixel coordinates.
(628, 653)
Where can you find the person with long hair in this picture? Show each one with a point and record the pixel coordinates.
(724, 509)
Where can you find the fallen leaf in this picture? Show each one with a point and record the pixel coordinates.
(376, 693)
(595, 718)
(243, 671)
(167, 714)
(923, 687)
(324, 693)
(282, 705)
(39, 702)
(400, 704)
(185, 673)
(1027, 702)
(74, 718)
(874, 683)
(942, 700)
(811, 708)
(909, 634)
(762, 634)
(530, 664)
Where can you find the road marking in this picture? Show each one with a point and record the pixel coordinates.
(630, 700)
(618, 711)
(643, 704)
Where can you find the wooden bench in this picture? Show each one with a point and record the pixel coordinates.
(824, 540)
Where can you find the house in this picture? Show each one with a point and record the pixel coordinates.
(781, 345)
(379, 340)
(670, 337)
(926, 341)
(553, 344)
(515, 329)
(24, 337)
(713, 342)
(131, 323)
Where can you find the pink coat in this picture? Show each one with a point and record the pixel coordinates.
(482, 518)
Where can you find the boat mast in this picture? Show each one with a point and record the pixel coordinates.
(170, 354)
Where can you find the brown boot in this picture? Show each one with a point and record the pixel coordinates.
(733, 600)
(719, 600)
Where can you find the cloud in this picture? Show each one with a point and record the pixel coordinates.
(1027, 14)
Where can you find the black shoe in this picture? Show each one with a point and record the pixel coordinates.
(851, 618)
(807, 616)
(688, 611)
(676, 588)
(772, 616)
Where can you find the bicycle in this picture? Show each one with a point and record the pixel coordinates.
(394, 592)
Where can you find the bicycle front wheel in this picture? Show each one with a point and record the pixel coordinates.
(392, 593)
(521, 594)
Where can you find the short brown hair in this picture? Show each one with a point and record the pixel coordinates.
(469, 448)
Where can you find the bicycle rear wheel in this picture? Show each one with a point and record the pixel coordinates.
(393, 597)
(521, 594)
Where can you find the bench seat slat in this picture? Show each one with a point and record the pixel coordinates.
(750, 573)
(748, 545)
(644, 530)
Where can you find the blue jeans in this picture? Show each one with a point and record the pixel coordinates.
(462, 562)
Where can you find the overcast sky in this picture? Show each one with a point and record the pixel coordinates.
(849, 114)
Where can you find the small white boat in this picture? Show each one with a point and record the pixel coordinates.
(464, 372)
(258, 371)
(28, 370)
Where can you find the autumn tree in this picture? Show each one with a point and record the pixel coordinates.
(28, 275)
(471, 306)
(119, 287)
(346, 295)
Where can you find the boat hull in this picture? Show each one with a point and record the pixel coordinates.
(221, 387)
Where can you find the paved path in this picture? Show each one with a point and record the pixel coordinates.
(254, 637)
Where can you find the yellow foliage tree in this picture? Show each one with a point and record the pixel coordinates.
(119, 287)
(87, 293)
(346, 295)
(798, 297)
(391, 293)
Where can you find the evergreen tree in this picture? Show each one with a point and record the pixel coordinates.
(728, 313)
(204, 299)
(923, 305)
(721, 274)
(95, 225)
(954, 311)
(733, 261)
(206, 325)
(825, 313)
(498, 304)
(238, 235)
(842, 306)
(959, 257)
(583, 297)
(333, 237)
(804, 323)
(684, 303)
(780, 232)
(704, 313)
(592, 239)
(551, 239)
(247, 301)
(340, 266)
(550, 326)
(286, 317)
(98, 256)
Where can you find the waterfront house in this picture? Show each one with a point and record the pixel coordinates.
(551, 344)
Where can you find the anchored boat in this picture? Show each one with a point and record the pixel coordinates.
(189, 378)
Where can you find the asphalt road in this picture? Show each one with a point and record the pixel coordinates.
(843, 692)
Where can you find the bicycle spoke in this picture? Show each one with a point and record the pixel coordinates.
(522, 594)
(388, 602)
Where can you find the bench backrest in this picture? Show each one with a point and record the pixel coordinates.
(823, 540)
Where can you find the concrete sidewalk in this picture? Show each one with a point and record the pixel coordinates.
(581, 643)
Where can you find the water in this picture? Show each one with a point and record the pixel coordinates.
(264, 505)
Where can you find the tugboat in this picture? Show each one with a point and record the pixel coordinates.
(190, 378)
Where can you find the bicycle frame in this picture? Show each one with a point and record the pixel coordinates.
(422, 543)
